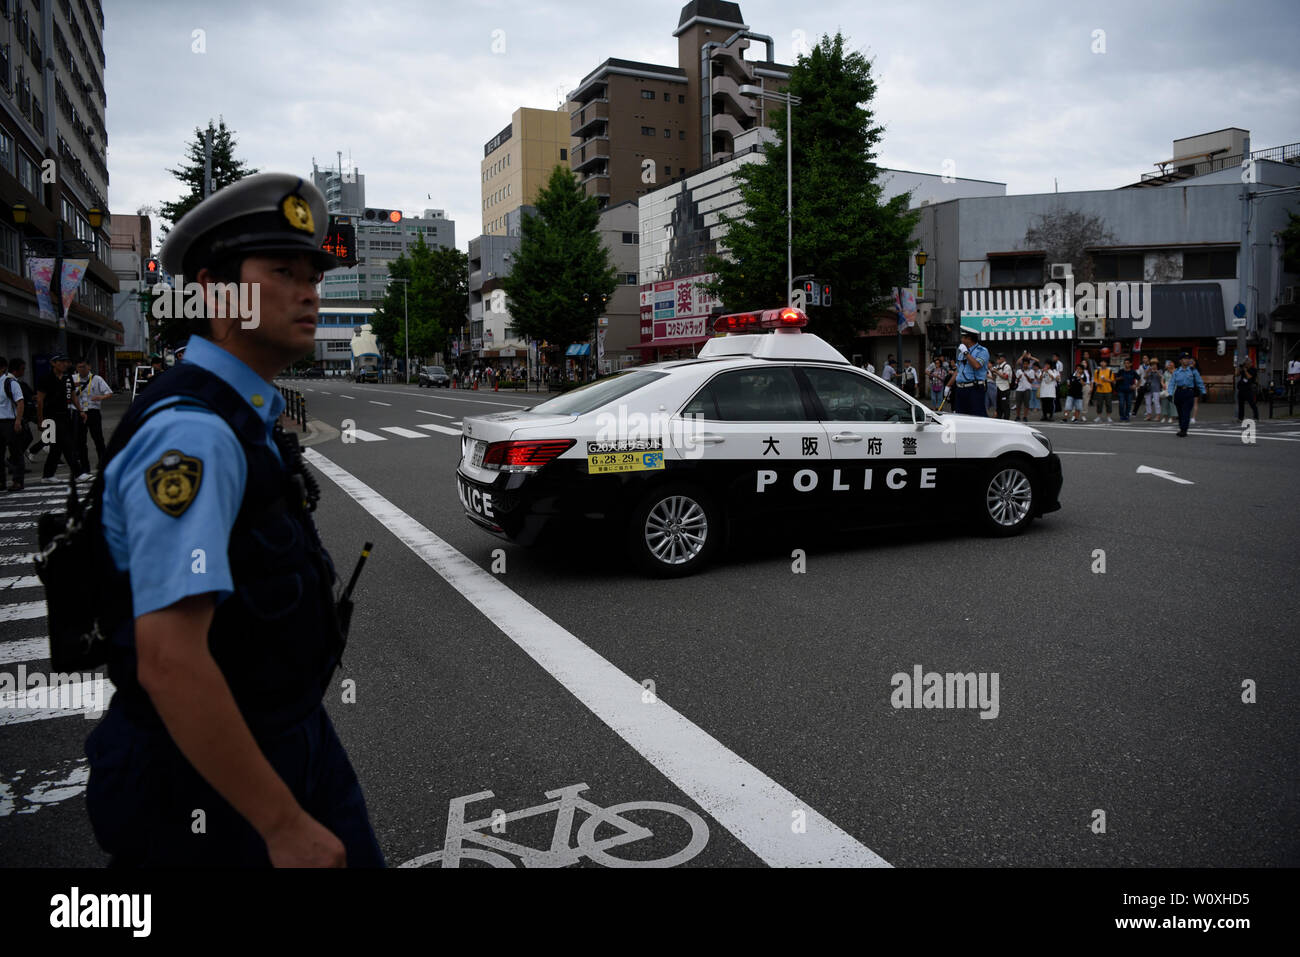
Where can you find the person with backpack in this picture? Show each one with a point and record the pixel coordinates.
(224, 628)
(13, 430)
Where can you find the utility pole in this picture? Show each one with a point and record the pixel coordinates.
(207, 162)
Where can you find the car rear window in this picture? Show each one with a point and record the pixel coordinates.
(435, 370)
(592, 396)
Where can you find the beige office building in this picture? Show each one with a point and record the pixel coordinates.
(518, 161)
(638, 126)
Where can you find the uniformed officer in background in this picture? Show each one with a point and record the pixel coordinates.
(1186, 385)
(971, 376)
(216, 749)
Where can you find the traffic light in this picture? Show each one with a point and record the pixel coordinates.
(382, 216)
(152, 272)
(826, 295)
(812, 293)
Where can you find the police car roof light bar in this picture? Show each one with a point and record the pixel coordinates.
(736, 322)
(787, 318)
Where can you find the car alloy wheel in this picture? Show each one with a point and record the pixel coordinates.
(1008, 498)
(674, 531)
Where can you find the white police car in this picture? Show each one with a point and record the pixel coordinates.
(760, 427)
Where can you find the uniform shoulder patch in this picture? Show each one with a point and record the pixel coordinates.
(173, 481)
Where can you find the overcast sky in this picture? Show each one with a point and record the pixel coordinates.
(410, 91)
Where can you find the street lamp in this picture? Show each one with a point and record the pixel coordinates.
(407, 318)
(95, 216)
(921, 260)
(790, 101)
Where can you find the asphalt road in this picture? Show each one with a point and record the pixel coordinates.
(769, 730)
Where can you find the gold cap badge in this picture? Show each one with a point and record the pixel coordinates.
(298, 212)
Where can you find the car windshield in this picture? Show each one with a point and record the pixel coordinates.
(592, 396)
(434, 370)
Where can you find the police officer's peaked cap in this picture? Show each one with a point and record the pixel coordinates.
(968, 331)
(260, 214)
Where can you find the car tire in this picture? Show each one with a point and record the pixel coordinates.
(674, 531)
(1008, 497)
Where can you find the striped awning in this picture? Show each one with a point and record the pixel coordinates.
(1026, 313)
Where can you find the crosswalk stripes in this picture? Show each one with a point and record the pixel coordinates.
(401, 432)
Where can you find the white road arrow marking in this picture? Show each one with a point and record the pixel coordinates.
(1146, 470)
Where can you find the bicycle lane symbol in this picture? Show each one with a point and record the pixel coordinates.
(565, 803)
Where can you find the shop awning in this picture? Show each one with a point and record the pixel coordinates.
(1024, 313)
(578, 349)
(1183, 310)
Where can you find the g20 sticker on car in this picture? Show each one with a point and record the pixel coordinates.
(604, 458)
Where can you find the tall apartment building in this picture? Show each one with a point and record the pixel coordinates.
(52, 161)
(377, 246)
(518, 161)
(638, 126)
(344, 189)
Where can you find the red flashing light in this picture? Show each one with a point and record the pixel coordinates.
(395, 216)
(736, 322)
(790, 317)
(525, 455)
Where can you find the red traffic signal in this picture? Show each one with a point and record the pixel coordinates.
(152, 272)
(389, 216)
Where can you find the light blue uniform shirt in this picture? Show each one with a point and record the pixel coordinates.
(967, 373)
(1188, 378)
(172, 557)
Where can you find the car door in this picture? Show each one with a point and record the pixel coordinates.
(885, 467)
(755, 440)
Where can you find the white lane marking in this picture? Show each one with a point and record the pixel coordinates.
(25, 649)
(19, 558)
(15, 540)
(741, 798)
(89, 696)
(344, 395)
(24, 581)
(24, 514)
(13, 525)
(22, 611)
(1063, 452)
(388, 404)
(441, 415)
(365, 436)
(323, 392)
(1147, 470)
(435, 427)
(43, 788)
(1161, 430)
(404, 433)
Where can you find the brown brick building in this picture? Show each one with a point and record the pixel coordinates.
(637, 126)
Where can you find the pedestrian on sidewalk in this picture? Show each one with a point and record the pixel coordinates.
(1246, 383)
(1002, 380)
(1187, 385)
(1103, 387)
(1167, 411)
(1126, 386)
(13, 430)
(56, 401)
(1074, 394)
(92, 390)
(1047, 391)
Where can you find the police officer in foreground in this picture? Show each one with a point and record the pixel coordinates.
(216, 749)
(1186, 385)
(971, 377)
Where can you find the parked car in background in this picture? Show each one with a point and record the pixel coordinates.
(433, 377)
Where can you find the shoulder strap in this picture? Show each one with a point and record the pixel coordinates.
(9, 394)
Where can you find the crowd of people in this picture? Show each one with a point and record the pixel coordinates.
(978, 383)
(64, 408)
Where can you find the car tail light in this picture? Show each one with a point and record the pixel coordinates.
(526, 456)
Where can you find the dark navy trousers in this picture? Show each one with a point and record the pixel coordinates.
(143, 794)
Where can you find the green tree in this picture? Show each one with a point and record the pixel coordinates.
(226, 169)
(1065, 236)
(843, 233)
(435, 300)
(561, 275)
